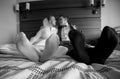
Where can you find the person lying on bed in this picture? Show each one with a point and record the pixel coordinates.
(51, 48)
(105, 46)
(63, 28)
(52, 23)
(103, 49)
(44, 32)
(38, 40)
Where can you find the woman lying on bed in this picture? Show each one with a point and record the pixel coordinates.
(105, 45)
(45, 31)
(44, 46)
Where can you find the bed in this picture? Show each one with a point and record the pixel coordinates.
(16, 66)
(13, 65)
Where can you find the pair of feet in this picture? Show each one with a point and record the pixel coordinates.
(106, 44)
(78, 42)
(52, 48)
(26, 48)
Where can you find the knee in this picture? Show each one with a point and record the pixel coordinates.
(107, 29)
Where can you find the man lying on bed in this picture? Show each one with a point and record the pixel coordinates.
(105, 45)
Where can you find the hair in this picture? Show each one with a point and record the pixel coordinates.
(45, 22)
(66, 17)
(63, 16)
(50, 17)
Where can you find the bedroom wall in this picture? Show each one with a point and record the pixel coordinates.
(7, 21)
(110, 14)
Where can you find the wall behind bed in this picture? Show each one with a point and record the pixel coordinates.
(110, 14)
(79, 13)
(9, 21)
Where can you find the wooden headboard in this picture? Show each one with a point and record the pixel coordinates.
(79, 13)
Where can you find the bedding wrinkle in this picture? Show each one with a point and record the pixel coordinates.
(57, 68)
(72, 74)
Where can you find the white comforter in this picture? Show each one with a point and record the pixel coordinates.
(16, 66)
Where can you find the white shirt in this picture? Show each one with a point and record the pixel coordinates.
(64, 33)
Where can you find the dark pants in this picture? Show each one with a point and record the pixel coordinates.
(103, 49)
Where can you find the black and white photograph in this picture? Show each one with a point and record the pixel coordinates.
(59, 39)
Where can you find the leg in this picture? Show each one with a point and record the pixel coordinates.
(51, 45)
(78, 42)
(105, 46)
(26, 48)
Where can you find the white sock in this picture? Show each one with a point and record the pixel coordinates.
(51, 46)
(26, 48)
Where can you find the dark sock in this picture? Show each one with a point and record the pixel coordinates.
(78, 42)
(105, 46)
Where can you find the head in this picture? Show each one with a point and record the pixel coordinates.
(52, 20)
(62, 20)
(45, 22)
